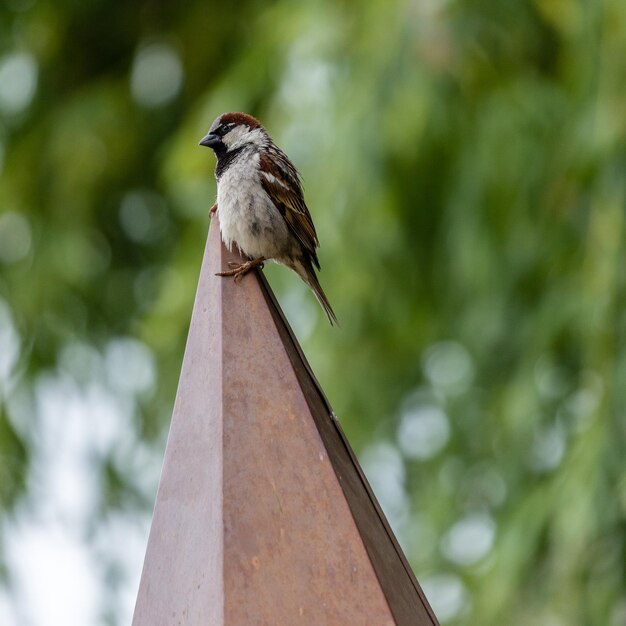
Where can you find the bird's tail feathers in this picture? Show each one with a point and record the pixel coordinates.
(308, 275)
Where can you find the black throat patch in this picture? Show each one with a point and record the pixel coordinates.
(224, 159)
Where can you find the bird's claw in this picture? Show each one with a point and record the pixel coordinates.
(235, 265)
(237, 274)
(213, 210)
(239, 270)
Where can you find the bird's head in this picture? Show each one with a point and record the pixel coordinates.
(231, 131)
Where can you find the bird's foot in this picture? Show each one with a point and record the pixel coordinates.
(239, 270)
(213, 210)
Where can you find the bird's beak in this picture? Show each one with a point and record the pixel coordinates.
(210, 141)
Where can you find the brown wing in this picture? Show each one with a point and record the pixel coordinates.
(281, 182)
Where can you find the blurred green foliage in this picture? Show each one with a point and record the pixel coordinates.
(464, 164)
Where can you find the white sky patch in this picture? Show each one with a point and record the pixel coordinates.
(57, 574)
(74, 427)
(130, 366)
(122, 540)
(384, 468)
(8, 614)
(9, 346)
(18, 81)
(157, 75)
(423, 432)
(470, 539)
(54, 580)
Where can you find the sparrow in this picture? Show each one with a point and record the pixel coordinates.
(261, 203)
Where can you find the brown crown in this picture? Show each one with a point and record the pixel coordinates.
(240, 118)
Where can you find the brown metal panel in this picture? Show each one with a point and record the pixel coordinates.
(292, 551)
(182, 578)
(260, 485)
(404, 595)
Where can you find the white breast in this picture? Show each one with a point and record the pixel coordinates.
(248, 217)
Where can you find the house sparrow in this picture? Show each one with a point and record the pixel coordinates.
(260, 202)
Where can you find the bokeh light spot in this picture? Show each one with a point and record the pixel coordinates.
(156, 76)
(18, 82)
(384, 467)
(470, 539)
(448, 366)
(548, 448)
(9, 344)
(423, 432)
(130, 366)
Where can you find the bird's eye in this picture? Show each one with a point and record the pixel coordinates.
(224, 129)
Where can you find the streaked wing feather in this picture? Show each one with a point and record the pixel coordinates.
(281, 182)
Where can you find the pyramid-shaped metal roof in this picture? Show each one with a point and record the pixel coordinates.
(263, 514)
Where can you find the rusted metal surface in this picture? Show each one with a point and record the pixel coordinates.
(263, 515)
(404, 595)
(182, 580)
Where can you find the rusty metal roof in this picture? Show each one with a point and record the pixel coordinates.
(263, 514)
